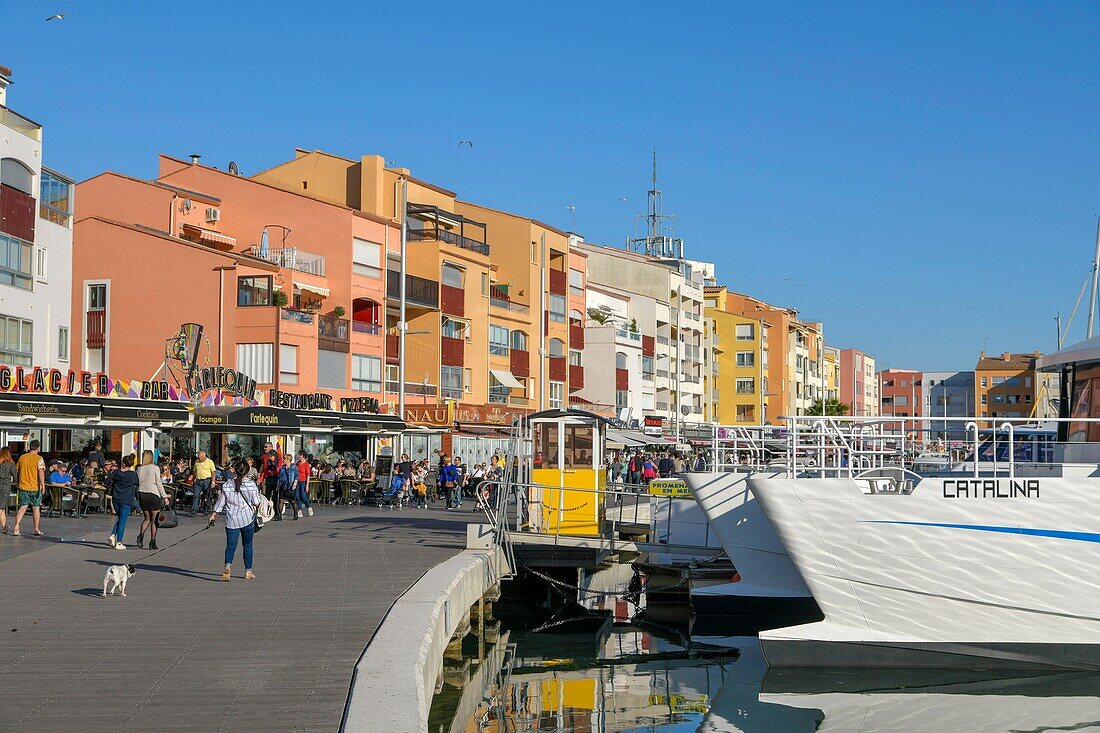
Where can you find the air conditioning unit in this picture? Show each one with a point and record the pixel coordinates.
(213, 215)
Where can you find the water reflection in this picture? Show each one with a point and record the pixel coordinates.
(622, 678)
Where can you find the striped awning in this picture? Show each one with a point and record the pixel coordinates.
(210, 236)
(323, 292)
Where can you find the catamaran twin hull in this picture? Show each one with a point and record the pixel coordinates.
(988, 573)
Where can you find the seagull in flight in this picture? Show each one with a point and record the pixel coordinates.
(465, 142)
(57, 16)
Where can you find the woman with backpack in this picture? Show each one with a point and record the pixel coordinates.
(649, 471)
(239, 501)
(124, 488)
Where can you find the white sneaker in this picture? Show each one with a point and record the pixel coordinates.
(310, 510)
(120, 546)
(112, 541)
(300, 513)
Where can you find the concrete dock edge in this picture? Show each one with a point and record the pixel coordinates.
(395, 679)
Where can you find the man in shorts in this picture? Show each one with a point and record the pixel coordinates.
(32, 482)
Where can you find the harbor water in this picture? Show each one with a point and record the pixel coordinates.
(534, 671)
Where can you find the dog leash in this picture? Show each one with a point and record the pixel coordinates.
(206, 526)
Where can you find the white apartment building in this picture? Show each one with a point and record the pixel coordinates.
(36, 245)
(618, 360)
(675, 288)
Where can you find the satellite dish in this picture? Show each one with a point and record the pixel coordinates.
(185, 205)
(233, 170)
(685, 410)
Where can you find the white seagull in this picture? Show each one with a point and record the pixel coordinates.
(57, 16)
(465, 142)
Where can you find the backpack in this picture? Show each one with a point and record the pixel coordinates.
(634, 464)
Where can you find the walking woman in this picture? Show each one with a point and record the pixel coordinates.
(8, 476)
(239, 501)
(151, 497)
(124, 488)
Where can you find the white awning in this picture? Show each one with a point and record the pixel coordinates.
(323, 292)
(506, 379)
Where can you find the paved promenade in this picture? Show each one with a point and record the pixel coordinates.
(185, 651)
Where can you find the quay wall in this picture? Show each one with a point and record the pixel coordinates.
(395, 679)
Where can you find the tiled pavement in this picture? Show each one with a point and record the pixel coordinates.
(187, 652)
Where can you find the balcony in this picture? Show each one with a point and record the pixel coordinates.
(557, 368)
(622, 379)
(452, 300)
(499, 298)
(96, 329)
(648, 345)
(631, 337)
(452, 351)
(438, 225)
(519, 363)
(333, 334)
(371, 329)
(414, 388)
(18, 213)
(559, 281)
(576, 336)
(419, 291)
(663, 340)
(393, 347)
(576, 377)
(15, 121)
(290, 258)
(294, 315)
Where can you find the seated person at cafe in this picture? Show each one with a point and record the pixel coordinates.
(78, 470)
(59, 475)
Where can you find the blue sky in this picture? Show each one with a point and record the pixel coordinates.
(928, 174)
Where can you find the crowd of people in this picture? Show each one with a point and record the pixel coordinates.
(637, 468)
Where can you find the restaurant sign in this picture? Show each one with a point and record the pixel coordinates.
(41, 380)
(450, 414)
(254, 418)
(222, 379)
(653, 425)
(320, 401)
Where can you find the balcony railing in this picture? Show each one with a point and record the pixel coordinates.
(452, 351)
(628, 335)
(393, 347)
(558, 281)
(452, 300)
(417, 388)
(333, 333)
(21, 124)
(663, 340)
(444, 235)
(97, 329)
(297, 316)
(419, 291)
(369, 328)
(291, 258)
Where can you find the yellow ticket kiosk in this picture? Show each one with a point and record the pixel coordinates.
(567, 474)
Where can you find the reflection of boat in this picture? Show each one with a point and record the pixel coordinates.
(916, 701)
(770, 593)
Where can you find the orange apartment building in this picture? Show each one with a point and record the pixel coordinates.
(1005, 385)
(479, 282)
(200, 245)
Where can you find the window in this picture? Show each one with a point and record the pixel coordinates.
(288, 364)
(746, 358)
(746, 413)
(985, 382)
(484, 283)
(622, 398)
(469, 383)
(620, 360)
(574, 357)
(18, 176)
(97, 297)
(576, 282)
(366, 258)
(519, 341)
(63, 343)
(647, 366)
(15, 262)
(998, 381)
(557, 308)
(366, 373)
(1027, 381)
(332, 369)
(498, 340)
(253, 291)
(1027, 399)
(16, 341)
(557, 394)
(534, 254)
(453, 276)
(745, 332)
(901, 400)
(498, 393)
(985, 399)
(55, 198)
(450, 382)
(453, 328)
(40, 265)
(557, 347)
(254, 360)
(747, 386)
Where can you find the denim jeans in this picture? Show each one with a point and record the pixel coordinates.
(245, 534)
(301, 495)
(123, 512)
(202, 485)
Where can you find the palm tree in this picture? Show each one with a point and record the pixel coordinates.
(832, 408)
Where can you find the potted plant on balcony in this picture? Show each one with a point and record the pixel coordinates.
(634, 325)
(279, 299)
(338, 311)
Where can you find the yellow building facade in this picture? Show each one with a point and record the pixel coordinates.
(741, 362)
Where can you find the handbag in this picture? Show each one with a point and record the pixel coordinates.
(167, 518)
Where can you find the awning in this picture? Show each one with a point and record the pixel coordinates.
(320, 421)
(627, 438)
(506, 378)
(1083, 353)
(140, 412)
(209, 235)
(323, 292)
(369, 424)
(247, 420)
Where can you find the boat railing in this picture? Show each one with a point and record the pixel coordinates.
(829, 447)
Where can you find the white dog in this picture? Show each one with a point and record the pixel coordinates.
(116, 578)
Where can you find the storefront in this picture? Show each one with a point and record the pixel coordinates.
(473, 432)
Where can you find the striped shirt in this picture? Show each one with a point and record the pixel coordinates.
(239, 506)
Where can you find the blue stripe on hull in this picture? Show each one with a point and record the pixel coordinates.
(1059, 534)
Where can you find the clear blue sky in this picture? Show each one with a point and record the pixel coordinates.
(928, 174)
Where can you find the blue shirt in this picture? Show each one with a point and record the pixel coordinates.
(56, 477)
(448, 474)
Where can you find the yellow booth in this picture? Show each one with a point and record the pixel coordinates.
(567, 475)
